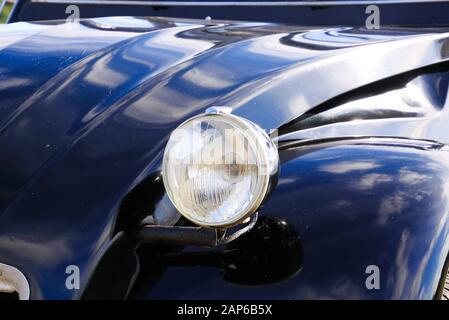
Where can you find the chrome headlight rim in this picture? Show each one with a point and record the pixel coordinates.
(267, 154)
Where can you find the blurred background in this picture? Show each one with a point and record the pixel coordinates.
(6, 10)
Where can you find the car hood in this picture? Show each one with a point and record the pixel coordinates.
(86, 109)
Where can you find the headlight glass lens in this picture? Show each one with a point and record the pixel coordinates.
(217, 168)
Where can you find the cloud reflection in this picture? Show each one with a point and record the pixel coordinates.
(391, 206)
(406, 176)
(348, 166)
(371, 180)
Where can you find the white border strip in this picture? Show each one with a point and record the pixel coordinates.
(236, 3)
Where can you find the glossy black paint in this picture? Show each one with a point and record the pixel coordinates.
(86, 110)
(352, 205)
(115, 272)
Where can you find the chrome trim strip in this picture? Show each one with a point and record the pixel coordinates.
(13, 280)
(236, 3)
(423, 144)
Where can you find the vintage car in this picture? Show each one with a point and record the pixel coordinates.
(333, 184)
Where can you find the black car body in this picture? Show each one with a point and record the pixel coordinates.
(360, 116)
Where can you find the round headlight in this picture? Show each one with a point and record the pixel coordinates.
(217, 168)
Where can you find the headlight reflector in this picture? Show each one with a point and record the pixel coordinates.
(217, 168)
